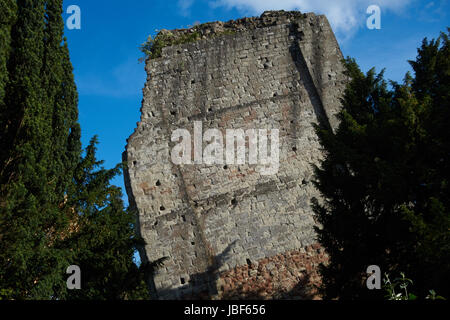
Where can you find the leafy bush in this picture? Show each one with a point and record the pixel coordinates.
(398, 289)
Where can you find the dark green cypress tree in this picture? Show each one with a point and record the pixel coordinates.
(7, 20)
(384, 180)
(62, 98)
(55, 210)
(29, 207)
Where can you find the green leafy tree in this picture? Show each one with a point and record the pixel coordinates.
(384, 179)
(55, 210)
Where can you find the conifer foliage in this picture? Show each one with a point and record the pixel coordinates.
(57, 207)
(385, 179)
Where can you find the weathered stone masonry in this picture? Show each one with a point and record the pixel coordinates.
(229, 231)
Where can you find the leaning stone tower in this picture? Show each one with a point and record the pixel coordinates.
(229, 231)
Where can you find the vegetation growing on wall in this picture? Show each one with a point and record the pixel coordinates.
(152, 48)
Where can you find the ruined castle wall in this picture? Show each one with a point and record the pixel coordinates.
(213, 220)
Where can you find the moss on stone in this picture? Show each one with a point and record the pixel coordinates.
(152, 48)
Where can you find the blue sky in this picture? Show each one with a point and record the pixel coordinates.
(105, 52)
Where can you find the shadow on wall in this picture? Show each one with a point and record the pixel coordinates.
(289, 276)
(302, 67)
(201, 285)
